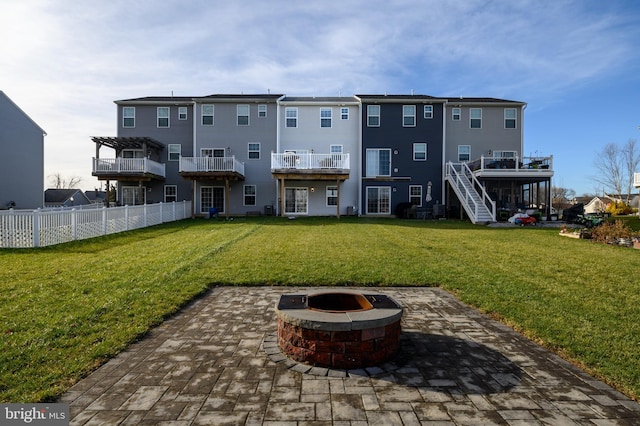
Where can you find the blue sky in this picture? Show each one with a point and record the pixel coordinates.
(576, 62)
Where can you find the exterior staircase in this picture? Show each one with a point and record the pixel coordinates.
(472, 195)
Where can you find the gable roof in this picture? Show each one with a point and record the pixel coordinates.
(8, 99)
(61, 196)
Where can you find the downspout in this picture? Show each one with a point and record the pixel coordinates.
(279, 205)
(359, 163)
(444, 152)
(193, 153)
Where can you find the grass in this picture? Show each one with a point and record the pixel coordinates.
(64, 310)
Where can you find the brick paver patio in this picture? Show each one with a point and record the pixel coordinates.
(216, 363)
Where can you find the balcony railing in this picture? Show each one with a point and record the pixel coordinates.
(309, 161)
(211, 164)
(495, 164)
(127, 166)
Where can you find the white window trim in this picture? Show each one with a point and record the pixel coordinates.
(428, 112)
(175, 187)
(329, 118)
(415, 151)
(262, 108)
(327, 195)
(125, 117)
(183, 113)
(287, 118)
(212, 115)
(369, 115)
(419, 204)
(471, 117)
(249, 151)
(169, 151)
(409, 115)
(460, 146)
(456, 112)
(377, 166)
(335, 145)
(515, 118)
(386, 189)
(254, 195)
(238, 115)
(344, 113)
(168, 117)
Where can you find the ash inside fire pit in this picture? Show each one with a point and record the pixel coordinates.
(345, 329)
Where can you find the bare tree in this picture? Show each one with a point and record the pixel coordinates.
(610, 164)
(58, 181)
(561, 197)
(631, 159)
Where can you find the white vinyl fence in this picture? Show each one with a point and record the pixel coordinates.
(46, 227)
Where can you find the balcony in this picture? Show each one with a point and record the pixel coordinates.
(310, 166)
(127, 169)
(512, 167)
(212, 168)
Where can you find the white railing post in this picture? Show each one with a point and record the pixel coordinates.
(126, 217)
(74, 222)
(36, 228)
(104, 221)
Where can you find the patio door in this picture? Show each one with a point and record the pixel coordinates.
(378, 200)
(211, 196)
(296, 200)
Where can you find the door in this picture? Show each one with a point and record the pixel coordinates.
(296, 200)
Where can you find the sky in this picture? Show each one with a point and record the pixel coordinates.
(576, 63)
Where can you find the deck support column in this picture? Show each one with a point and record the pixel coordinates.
(338, 202)
(282, 197)
(226, 198)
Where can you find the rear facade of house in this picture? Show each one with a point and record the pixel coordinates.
(375, 155)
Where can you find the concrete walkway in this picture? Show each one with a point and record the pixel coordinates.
(215, 364)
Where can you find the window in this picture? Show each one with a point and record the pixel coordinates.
(378, 200)
(174, 151)
(262, 111)
(464, 153)
(249, 195)
(415, 195)
(378, 162)
(170, 193)
(510, 118)
(335, 149)
(419, 151)
(132, 153)
(408, 115)
(212, 152)
(428, 111)
(291, 117)
(332, 195)
(475, 118)
(373, 115)
(296, 200)
(129, 117)
(456, 113)
(325, 117)
(182, 113)
(344, 113)
(254, 151)
(207, 115)
(243, 115)
(211, 196)
(163, 116)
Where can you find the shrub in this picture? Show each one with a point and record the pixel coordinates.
(609, 232)
(618, 209)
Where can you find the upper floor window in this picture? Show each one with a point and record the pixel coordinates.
(428, 111)
(419, 151)
(510, 118)
(207, 115)
(464, 153)
(128, 116)
(163, 116)
(408, 115)
(132, 153)
(325, 117)
(174, 151)
(456, 113)
(170, 193)
(182, 113)
(262, 111)
(378, 162)
(253, 150)
(291, 117)
(212, 152)
(344, 113)
(373, 115)
(242, 115)
(475, 118)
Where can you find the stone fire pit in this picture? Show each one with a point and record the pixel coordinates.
(340, 329)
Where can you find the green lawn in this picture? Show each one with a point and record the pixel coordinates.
(64, 310)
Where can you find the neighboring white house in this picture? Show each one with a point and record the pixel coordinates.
(22, 160)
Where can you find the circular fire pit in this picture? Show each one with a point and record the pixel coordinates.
(339, 329)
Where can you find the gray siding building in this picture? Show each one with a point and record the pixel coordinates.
(22, 162)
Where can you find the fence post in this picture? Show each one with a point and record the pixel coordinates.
(74, 223)
(144, 214)
(104, 221)
(36, 228)
(12, 229)
(126, 217)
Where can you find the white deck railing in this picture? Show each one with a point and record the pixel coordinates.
(127, 166)
(468, 188)
(39, 228)
(211, 164)
(309, 161)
